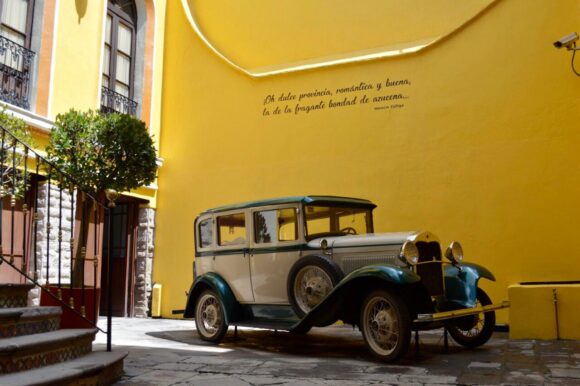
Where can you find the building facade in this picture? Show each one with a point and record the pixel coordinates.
(102, 55)
(461, 119)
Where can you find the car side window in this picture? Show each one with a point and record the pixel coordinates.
(205, 233)
(232, 229)
(275, 225)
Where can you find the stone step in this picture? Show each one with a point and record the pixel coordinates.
(32, 351)
(28, 320)
(14, 295)
(97, 368)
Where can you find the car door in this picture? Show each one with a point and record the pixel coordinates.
(231, 259)
(275, 247)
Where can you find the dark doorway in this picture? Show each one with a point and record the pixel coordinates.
(121, 247)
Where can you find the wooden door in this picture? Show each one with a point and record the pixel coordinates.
(121, 248)
(16, 225)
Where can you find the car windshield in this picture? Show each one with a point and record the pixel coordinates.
(324, 221)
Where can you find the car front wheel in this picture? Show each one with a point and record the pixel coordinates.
(310, 280)
(385, 325)
(209, 317)
(473, 331)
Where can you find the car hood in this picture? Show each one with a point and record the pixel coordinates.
(373, 239)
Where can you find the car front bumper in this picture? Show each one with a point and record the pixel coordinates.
(435, 317)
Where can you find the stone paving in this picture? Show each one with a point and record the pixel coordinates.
(168, 352)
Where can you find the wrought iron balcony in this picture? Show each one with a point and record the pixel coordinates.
(15, 65)
(113, 102)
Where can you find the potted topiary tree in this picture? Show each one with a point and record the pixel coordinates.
(104, 154)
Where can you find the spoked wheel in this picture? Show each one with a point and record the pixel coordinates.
(209, 317)
(473, 331)
(385, 325)
(310, 280)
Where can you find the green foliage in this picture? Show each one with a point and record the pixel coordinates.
(101, 152)
(16, 126)
(126, 158)
(13, 180)
(72, 144)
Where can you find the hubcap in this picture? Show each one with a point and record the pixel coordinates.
(209, 315)
(312, 284)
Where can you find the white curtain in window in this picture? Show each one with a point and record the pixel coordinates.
(108, 30)
(14, 14)
(106, 60)
(14, 36)
(122, 89)
(123, 68)
(124, 39)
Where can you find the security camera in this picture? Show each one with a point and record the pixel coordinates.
(568, 41)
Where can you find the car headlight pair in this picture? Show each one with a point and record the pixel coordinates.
(410, 253)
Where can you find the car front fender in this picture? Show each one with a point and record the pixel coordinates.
(461, 285)
(354, 286)
(390, 273)
(213, 281)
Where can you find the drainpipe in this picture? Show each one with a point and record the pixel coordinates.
(555, 299)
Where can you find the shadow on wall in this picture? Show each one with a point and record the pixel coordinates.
(81, 7)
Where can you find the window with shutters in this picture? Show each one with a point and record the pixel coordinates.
(119, 58)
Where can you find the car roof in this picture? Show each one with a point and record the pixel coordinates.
(331, 200)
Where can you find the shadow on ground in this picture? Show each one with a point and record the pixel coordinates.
(323, 343)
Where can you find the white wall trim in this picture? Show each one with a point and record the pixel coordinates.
(32, 119)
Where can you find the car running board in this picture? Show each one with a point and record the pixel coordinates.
(282, 325)
(435, 317)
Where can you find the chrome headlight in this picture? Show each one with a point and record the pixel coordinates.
(454, 252)
(409, 253)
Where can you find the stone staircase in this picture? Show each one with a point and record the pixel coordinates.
(34, 351)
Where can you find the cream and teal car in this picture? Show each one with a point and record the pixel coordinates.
(297, 262)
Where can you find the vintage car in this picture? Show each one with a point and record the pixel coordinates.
(297, 262)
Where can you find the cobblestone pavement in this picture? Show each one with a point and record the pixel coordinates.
(167, 352)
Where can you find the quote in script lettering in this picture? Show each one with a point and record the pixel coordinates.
(388, 94)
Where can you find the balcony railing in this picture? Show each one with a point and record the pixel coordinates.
(113, 102)
(15, 65)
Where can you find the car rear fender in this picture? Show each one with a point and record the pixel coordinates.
(214, 282)
(461, 285)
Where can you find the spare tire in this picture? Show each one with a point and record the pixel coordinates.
(310, 280)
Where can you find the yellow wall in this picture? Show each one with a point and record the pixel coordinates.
(77, 65)
(155, 125)
(77, 56)
(484, 149)
(553, 314)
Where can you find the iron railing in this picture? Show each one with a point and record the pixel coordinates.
(51, 233)
(15, 65)
(113, 102)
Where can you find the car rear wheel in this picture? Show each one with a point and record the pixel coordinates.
(473, 331)
(385, 325)
(209, 317)
(310, 280)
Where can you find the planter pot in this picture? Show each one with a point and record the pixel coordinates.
(69, 318)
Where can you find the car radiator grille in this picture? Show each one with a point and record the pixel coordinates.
(349, 264)
(431, 271)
